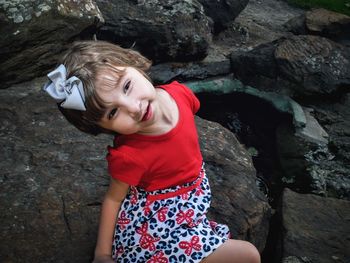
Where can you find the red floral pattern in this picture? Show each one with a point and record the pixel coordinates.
(162, 214)
(187, 216)
(158, 258)
(123, 221)
(134, 193)
(173, 228)
(188, 246)
(146, 241)
(147, 209)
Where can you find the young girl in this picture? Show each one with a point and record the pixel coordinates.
(156, 204)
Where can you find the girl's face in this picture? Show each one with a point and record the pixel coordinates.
(131, 104)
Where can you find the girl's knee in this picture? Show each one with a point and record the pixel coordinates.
(247, 251)
(234, 251)
(252, 253)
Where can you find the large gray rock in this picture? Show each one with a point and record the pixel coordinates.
(315, 158)
(161, 30)
(335, 118)
(329, 24)
(322, 22)
(316, 229)
(298, 66)
(34, 34)
(207, 68)
(300, 151)
(53, 179)
(223, 12)
(315, 65)
(258, 23)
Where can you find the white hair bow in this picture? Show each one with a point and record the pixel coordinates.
(68, 91)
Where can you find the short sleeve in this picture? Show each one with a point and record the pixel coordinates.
(123, 167)
(193, 100)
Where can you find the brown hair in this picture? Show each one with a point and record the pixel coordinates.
(90, 61)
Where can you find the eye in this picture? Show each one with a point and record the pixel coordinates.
(112, 113)
(126, 86)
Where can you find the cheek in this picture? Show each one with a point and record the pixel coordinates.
(124, 125)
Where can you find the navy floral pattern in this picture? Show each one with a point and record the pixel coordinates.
(166, 227)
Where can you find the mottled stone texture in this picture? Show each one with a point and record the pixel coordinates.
(316, 229)
(161, 30)
(296, 66)
(327, 23)
(223, 12)
(315, 65)
(36, 32)
(322, 22)
(53, 179)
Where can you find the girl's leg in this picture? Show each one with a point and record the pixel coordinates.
(234, 251)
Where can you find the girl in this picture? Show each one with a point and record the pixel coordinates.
(155, 207)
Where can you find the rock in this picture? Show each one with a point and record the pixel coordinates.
(258, 68)
(334, 116)
(259, 22)
(318, 65)
(328, 23)
(36, 32)
(322, 22)
(297, 66)
(263, 22)
(234, 185)
(50, 195)
(296, 25)
(293, 259)
(161, 30)
(166, 72)
(302, 152)
(223, 12)
(312, 131)
(54, 177)
(316, 229)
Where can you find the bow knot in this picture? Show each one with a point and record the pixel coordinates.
(68, 91)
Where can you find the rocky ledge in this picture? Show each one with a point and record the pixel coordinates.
(287, 101)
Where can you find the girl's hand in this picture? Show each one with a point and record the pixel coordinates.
(103, 259)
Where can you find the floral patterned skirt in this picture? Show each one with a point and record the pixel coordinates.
(168, 225)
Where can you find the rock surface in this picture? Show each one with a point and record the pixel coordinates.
(50, 198)
(207, 68)
(335, 118)
(298, 66)
(54, 177)
(161, 30)
(316, 229)
(315, 64)
(36, 32)
(322, 22)
(260, 22)
(299, 151)
(223, 12)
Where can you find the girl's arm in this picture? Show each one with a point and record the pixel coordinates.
(116, 193)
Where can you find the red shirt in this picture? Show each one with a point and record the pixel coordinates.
(160, 161)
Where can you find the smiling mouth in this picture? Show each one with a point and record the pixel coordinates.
(148, 113)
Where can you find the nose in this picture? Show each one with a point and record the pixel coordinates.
(134, 108)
